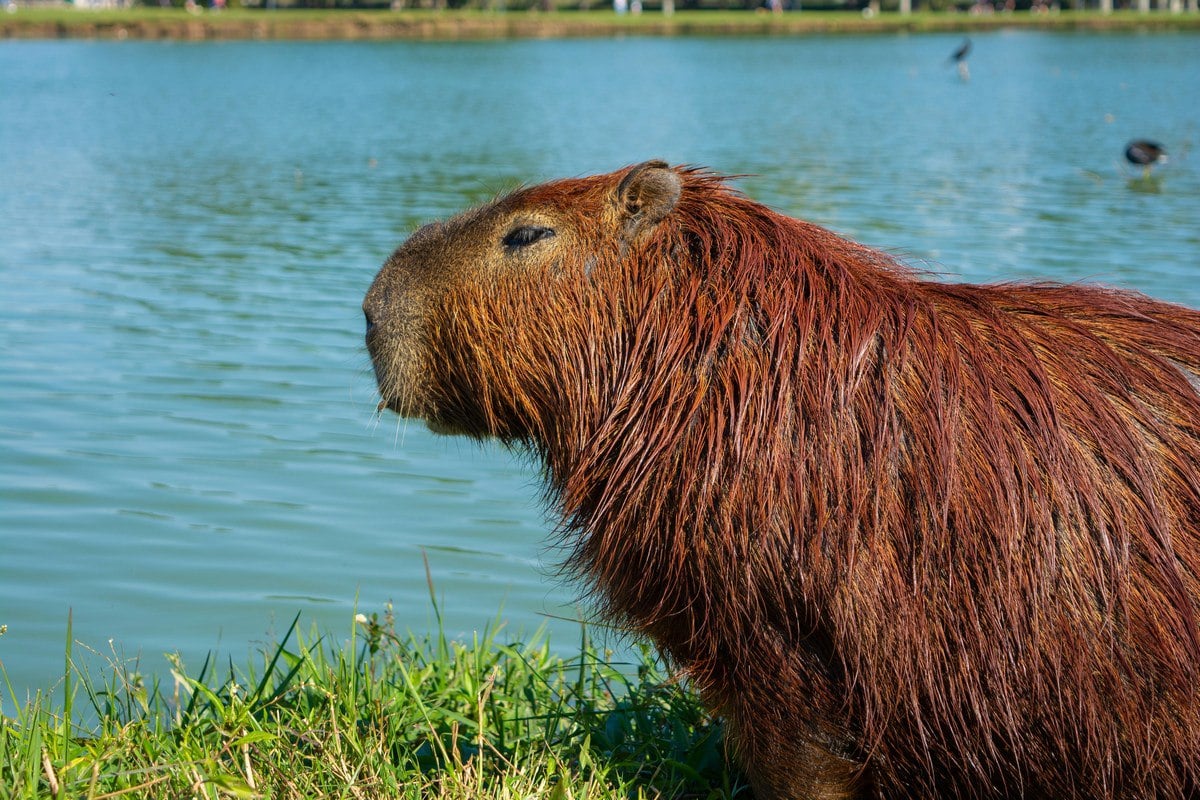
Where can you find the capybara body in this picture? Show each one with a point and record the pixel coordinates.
(909, 538)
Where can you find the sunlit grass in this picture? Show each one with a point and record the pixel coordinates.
(157, 22)
(383, 715)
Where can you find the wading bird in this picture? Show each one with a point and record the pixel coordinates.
(959, 57)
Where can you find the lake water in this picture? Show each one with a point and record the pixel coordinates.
(188, 450)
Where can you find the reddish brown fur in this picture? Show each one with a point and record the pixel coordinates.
(911, 538)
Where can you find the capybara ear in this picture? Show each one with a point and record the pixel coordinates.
(645, 195)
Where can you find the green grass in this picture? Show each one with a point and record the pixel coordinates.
(381, 716)
(154, 23)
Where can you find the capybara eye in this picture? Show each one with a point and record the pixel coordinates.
(526, 235)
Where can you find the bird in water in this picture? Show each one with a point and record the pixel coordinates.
(959, 57)
(1145, 154)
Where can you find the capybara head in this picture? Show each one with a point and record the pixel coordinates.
(510, 262)
(910, 538)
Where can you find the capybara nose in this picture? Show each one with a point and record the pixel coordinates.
(374, 308)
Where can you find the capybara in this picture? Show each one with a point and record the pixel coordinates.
(909, 538)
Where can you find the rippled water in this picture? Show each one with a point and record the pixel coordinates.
(188, 451)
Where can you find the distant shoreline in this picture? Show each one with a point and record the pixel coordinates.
(171, 24)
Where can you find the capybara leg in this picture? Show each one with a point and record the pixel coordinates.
(804, 771)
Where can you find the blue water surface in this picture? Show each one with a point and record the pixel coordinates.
(189, 453)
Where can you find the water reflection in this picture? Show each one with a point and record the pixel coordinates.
(1146, 184)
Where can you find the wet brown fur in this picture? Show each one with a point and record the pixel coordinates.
(910, 538)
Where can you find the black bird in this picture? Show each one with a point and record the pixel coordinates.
(1145, 154)
(959, 57)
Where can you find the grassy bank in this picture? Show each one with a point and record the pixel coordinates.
(382, 716)
(160, 23)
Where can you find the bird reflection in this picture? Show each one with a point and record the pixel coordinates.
(959, 57)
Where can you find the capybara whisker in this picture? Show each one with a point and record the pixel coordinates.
(910, 538)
